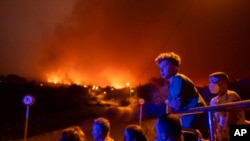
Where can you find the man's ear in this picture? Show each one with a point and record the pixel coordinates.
(164, 136)
(176, 68)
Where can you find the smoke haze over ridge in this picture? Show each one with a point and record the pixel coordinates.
(114, 42)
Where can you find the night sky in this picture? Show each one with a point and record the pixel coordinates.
(111, 42)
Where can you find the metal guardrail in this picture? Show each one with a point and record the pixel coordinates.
(239, 105)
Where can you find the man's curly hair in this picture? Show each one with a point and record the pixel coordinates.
(170, 56)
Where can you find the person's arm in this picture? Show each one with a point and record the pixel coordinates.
(214, 118)
(176, 86)
(178, 98)
(175, 99)
(235, 116)
(192, 102)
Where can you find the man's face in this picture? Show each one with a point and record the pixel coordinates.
(167, 69)
(96, 131)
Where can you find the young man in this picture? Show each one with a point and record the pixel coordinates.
(168, 128)
(182, 93)
(218, 84)
(101, 130)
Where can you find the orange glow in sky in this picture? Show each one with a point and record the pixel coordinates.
(114, 42)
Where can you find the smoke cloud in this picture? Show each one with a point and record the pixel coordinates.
(109, 42)
(113, 42)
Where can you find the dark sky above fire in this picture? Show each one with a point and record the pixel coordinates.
(112, 42)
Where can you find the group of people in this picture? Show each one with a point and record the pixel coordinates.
(181, 96)
(167, 127)
(101, 132)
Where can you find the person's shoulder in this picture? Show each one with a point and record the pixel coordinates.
(233, 96)
(178, 76)
(177, 79)
(184, 78)
(231, 92)
(181, 75)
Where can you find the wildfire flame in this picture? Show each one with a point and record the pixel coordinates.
(71, 77)
(63, 78)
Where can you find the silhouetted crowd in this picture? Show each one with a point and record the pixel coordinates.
(167, 127)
